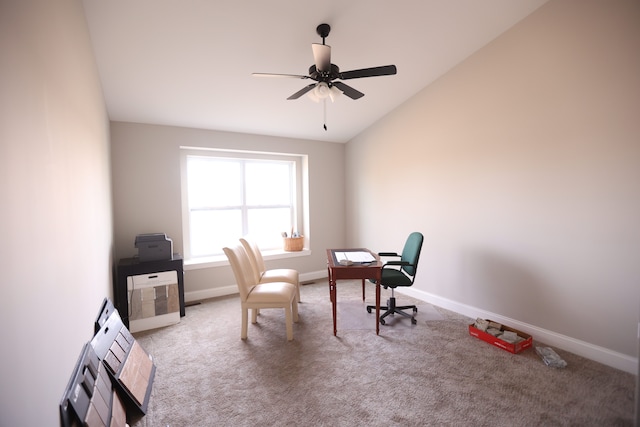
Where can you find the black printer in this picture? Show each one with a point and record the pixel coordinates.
(154, 247)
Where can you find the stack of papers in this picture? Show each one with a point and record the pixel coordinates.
(355, 256)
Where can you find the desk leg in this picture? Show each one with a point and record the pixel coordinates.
(332, 293)
(329, 276)
(332, 298)
(362, 290)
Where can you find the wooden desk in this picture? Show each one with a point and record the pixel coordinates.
(355, 271)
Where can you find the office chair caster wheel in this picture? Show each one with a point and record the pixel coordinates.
(382, 321)
(415, 309)
(414, 321)
(369, 310)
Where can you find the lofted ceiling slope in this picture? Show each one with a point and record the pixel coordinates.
(189, 62)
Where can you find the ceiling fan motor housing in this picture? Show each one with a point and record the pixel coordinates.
(324, 77)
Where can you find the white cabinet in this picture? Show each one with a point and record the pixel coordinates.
(153, 300)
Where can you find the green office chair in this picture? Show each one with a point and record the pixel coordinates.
(400, 273)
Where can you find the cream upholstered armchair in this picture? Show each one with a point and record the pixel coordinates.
(254, 295)
(263, 275)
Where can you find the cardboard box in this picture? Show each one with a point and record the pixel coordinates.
(512, 348)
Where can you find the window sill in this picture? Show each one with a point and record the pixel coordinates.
(219, 261)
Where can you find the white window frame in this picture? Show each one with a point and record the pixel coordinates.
(301, 220)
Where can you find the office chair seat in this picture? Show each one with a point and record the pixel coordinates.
(394, 278)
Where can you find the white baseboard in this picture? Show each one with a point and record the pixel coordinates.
(209, 293)
(233, 290)
(581, 348)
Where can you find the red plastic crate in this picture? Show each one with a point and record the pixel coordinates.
(512, 348)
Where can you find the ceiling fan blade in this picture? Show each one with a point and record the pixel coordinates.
(348, 90)
(322, 56)
(302, 91)
(385, 70)
(295, 76)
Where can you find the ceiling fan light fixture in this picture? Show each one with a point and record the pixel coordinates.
(323, 91)
(334, 93)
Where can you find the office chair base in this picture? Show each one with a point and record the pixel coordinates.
(391, 308)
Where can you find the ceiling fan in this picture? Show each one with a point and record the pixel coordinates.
(327, 75)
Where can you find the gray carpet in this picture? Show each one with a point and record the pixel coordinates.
(432, 373)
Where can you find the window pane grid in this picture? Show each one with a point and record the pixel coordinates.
(228, 198)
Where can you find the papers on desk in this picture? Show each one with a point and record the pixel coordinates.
(354, 257)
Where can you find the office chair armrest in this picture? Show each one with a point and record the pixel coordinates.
(403, 263)
(387, 254)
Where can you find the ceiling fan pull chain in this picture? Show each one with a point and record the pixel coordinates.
(325, 113)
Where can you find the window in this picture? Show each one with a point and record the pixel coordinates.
(227, 195)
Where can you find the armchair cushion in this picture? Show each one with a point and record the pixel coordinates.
(271, 293)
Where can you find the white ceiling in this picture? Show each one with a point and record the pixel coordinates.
(189, 62)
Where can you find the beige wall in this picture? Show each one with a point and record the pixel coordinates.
(522, 167)
(147, 198)
(522, 171)
(56, 223)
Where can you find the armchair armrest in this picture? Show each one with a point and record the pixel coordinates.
(387, 254)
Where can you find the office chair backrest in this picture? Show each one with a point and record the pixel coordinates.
(411, 252)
